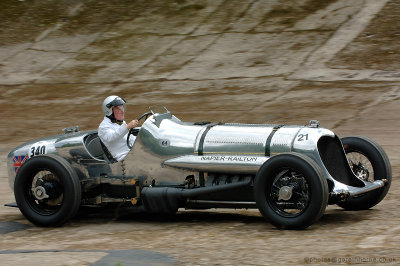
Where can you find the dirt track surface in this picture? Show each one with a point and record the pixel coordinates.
(232, 61)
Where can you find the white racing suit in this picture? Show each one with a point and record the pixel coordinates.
(114, 137)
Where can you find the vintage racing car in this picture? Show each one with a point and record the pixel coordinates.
(290, 173)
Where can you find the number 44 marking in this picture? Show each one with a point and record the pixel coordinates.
(164, 142)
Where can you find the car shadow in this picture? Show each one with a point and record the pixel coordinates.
(331, 218)
(340, 217)
(183, 216)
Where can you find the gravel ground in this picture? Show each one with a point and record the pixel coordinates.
(232, 61)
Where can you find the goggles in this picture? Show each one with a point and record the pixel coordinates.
(117, 101)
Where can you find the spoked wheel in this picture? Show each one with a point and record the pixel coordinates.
(361, 166)
(47, 190)
(369, 163)
(291, 191)
(289, 194)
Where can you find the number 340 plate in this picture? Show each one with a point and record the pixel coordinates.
(41, 147)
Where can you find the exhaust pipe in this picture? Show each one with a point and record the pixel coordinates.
(166, 199)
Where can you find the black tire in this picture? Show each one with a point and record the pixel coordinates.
(309, 191)
(376, 167)
(49, 175)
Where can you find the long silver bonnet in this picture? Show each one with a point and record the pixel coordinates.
(167, 150)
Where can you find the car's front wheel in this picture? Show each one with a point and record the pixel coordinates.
(291, 191)
(47, 190)
(369, 162)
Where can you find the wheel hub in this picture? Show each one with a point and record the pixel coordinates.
(360, 171)
(285, 193)
(40, 193)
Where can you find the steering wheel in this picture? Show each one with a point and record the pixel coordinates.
(135, 131)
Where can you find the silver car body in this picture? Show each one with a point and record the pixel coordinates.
(167, 151)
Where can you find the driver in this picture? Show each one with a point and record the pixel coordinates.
(113, 130)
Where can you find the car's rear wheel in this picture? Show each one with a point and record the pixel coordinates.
(291, 191)
(47, 190)
(369, 162)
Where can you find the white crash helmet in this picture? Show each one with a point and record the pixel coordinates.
(110, 102)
